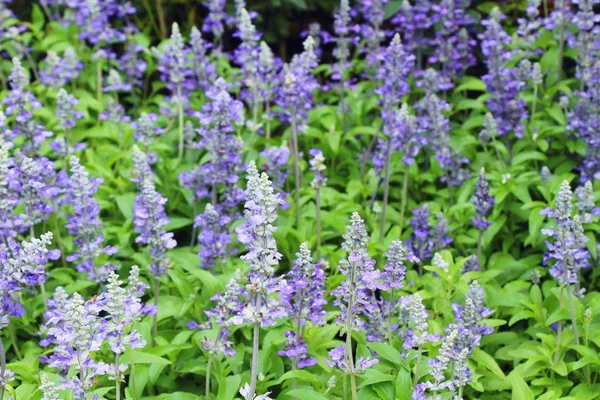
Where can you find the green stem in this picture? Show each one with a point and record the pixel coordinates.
(268, 123)
(390, 337)
(155, 316)
(479, 249)
(132, 374)
(180, 118)
(117, 381)
(559, 330)
(418, 367)
(13, 341)
(534, 103)
(318, 205)
(573, 318)
(208, 365)
(2, 367)
(255, 349)
(386, 190)
(99, 80)
(404, 200)
(296, 152)
(161, 19)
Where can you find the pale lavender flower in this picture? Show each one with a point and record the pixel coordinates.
(10, 224)
(318, 167)
(340, 361)
(204, 71)
(276, 165)
(213, 237)
(215, 20)
(85, 224)
(149, 217)
(256, 233)
(132, 65)
(483, 202)
(58, 72)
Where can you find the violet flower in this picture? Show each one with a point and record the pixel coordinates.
(58, 72)
(483, 202)
(149, 217)
(276, 165)
(303, 298)
(505, 103)
(85, 224)
(213, 237)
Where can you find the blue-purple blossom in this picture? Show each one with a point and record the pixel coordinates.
(229, 305)
(342, 29)
(296, 349)
(502, 82)
(318, 167)
(85, 224)
(374, 14)
(146, 131)
(303, 295)
(58, 72)
(76, 329)
(67, 116)
(132, 65)
(340, 361)
(204, 71)
(425, 239)
(297, 87)
(529, 27)
(453, 47)
(568, 251)
(276, 164)
(20, 103)
(469, 318)
(411, 22)
(34, 180)
(22, 265)
(113, 112)
(396, 65)
(414, 322)
(149, 217)
(215, 20)
(483, 202)
(10, 224)
(354, 296)
(257, 234)
(213, 237)
(246, 56)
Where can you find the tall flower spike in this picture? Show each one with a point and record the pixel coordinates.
(67, 116)
(204, 70)
(568, 251)
(257, 234)
(303, 298)
(502, 82)
(317, 166)
(149, 217)
(20, 103)
(393, 75)
(84, 223)
(215, 20)
(341, 52)
(276, 165)
(76, 331)
(483, 202)
(229, 305)
(213, 237)
(10, 224)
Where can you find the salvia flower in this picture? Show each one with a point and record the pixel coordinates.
(586, 204)
(440, 366)
(75, 327)
(204, 71)
(20, 103)
(354, 294)
(123, 308)
(115, 84)
(414, 318)
(114, 112)
(568, 251)
(296, 349)
(342, 29)
(215, 20)
(483, 202)
(529, 27)
(48, 389)
(213, 237)
(303, 295)
(149, 217)
(218, 118)
(67, 116)
(84, 223)
(340, 361)
(22, 265)
(318, 167)
(229, 305)
(276, 165)
(132, 65)
(507, 107)
(58, 72)
(146, 131)
(10, 224)
(395, 270)
(257, 234)
(246, 55)
(396, 64)
(297, 86)
(34, 180)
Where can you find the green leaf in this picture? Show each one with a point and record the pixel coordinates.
(474, 84)
(139, 357)
(520, 390)
(387, 352)
(403, 385)
(305, 394)
(488, 362)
